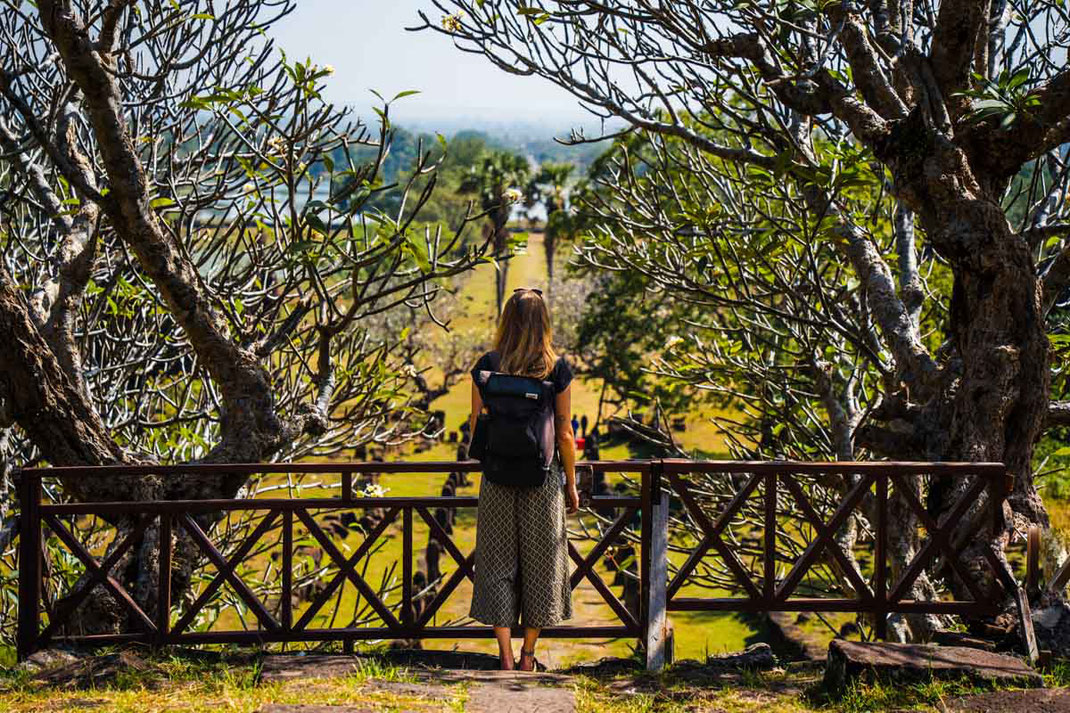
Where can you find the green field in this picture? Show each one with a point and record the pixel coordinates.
(696, 633)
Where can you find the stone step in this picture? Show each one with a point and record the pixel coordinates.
(304, 708)
(908, 663)
(1047, 700)
(519, 696)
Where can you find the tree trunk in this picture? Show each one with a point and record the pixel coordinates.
(549, 244)
(501, 241)
(990, 401)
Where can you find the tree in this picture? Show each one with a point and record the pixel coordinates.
(818, 147)
(549, 186)
(495, 181)
(177, 281)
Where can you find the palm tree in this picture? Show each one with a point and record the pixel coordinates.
(495, 180)
(550, 187)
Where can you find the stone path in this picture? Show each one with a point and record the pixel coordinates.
(488, 691)
(1045, 700)
(520, 697)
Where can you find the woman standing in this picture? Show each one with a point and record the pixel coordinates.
(521, 557)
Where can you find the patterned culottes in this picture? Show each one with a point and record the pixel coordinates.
(521, 559)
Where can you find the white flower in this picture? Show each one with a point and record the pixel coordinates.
(673, 341)
(328, 69)
(410, 371)
(513, 195)
(248, 188)
(374, 490)
(277, 144)
(452, 23)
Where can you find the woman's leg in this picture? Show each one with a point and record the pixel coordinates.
(494, 592)
(545, 571)
(505, 647)
(527, 651)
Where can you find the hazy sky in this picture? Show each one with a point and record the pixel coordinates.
(368, 45)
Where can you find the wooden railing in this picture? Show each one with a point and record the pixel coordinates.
(398, 620)
(663, 490)
(772, 584)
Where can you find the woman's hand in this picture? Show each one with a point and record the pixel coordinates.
(573, 497)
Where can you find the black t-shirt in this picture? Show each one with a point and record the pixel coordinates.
(561, 375)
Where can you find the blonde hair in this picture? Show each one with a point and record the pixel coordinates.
(525, 338)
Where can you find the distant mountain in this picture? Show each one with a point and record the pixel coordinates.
(508, 130)
(534, 137)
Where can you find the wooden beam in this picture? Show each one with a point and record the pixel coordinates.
(657, 577)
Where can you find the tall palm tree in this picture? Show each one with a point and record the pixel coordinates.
(496, 180)
(550, 187)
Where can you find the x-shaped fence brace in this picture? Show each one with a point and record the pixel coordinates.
(585, 568)
(98, 573)
(939, 540)
(943, 549)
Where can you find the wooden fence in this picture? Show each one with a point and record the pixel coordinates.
(662, 491)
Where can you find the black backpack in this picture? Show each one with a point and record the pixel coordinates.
(514, 440)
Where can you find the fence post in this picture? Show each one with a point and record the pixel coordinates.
(880, 560)
(29, 562)
(656, 573)
(163, 585)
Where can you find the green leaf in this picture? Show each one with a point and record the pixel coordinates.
(1019, 78)
(162, 202)
(406, 93)
(316, 223)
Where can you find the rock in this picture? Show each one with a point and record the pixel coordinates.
(851, 660)
(1052, 626)
(48, 659)
(1048, 700)
(92, 670)
(755, 656)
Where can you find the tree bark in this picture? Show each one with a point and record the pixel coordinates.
(996, 397)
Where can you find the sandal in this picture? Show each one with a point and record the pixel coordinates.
(529, 654)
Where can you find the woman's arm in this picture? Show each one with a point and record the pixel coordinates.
(566, 445)
(477, 406)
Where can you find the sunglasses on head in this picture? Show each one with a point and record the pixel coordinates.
(536, 290)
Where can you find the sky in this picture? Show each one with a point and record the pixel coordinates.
(366, 42)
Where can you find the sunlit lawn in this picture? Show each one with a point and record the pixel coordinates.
(696, 633)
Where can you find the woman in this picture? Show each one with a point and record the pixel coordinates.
(521, 558)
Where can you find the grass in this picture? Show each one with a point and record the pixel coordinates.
(195, 684)
(224, 683)
(697, 633)
(888, 696)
